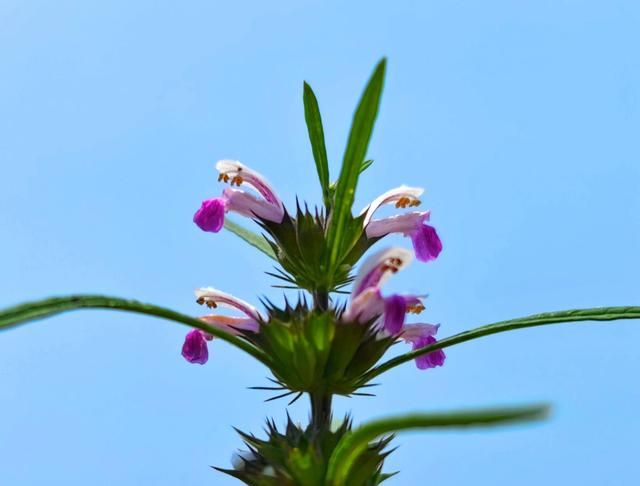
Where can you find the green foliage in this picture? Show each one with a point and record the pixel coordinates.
(250, 237)
(300, 456)
(353, 444)
(338, 236)
(31, 311)
(558, 317)
(300, 245)
(316, 137)
(311, 351)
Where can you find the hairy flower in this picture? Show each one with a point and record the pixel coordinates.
(367, 301)
(426, 243)
(377, 268)
(210, 216)
(421, 336)
(195, 348)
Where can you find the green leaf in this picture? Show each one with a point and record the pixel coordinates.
(356, 150)
(365, 165)
(31, 311)
(355, 443)
(576, 315)
(316, 137)
(250, 237)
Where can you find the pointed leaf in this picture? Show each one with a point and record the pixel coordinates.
(356, 442)
(365, 165)
(31, 311)
(576, 315)
(250, 237)
(316, 137)
(361, 129)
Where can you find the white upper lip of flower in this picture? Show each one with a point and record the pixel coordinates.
(394, 259)
(237, 173)
(402, 196)
(213, 298)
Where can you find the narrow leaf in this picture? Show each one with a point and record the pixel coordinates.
(316, 137)
(361, 129)
(250, 237)
(356, 442)
(31, 311)
(365, 165)
(576, 315)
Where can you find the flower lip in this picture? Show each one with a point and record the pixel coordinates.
(194, 349)
(379, 267)
(415, 332)
(210, 216)
(237, 173)
(403, 196)
(212, 298)
(405, 223)
(251, 206)
(231, 324)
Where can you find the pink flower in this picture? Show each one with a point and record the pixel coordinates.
(367, 301)
(420, 336)
(195, 348)
(426, 242)
(210, 216)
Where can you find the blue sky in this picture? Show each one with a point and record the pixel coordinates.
(521, 119)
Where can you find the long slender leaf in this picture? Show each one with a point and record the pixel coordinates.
(31, 311)
(361, 129)
(576, 315)
(356, 442)
(250, 237)
(316, 137)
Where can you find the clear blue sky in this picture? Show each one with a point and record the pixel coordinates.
(520, 118)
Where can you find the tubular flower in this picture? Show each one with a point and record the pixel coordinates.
(377, 269)
(195, 348)
(367, 301)
(421, 336)
(210, 216)
(426, 243)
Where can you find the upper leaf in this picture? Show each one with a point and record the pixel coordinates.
(316, 137)
(361, 129)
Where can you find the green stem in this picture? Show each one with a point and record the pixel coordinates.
(321, 300)
(320, 411)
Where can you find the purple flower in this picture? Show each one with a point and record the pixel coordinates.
(367, 301)
(421, 336)
(195, 348)
(377, 268)
(210, 216)
(396, 308)
(426, 243)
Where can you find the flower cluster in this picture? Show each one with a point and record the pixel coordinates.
(367, 306)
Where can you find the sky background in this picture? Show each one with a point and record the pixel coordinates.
(521, 119)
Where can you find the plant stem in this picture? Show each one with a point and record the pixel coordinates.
(320, 411)
(321, 299)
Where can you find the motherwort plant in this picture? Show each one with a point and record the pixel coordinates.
(330, 340)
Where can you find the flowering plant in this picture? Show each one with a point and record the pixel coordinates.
(321, 345)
